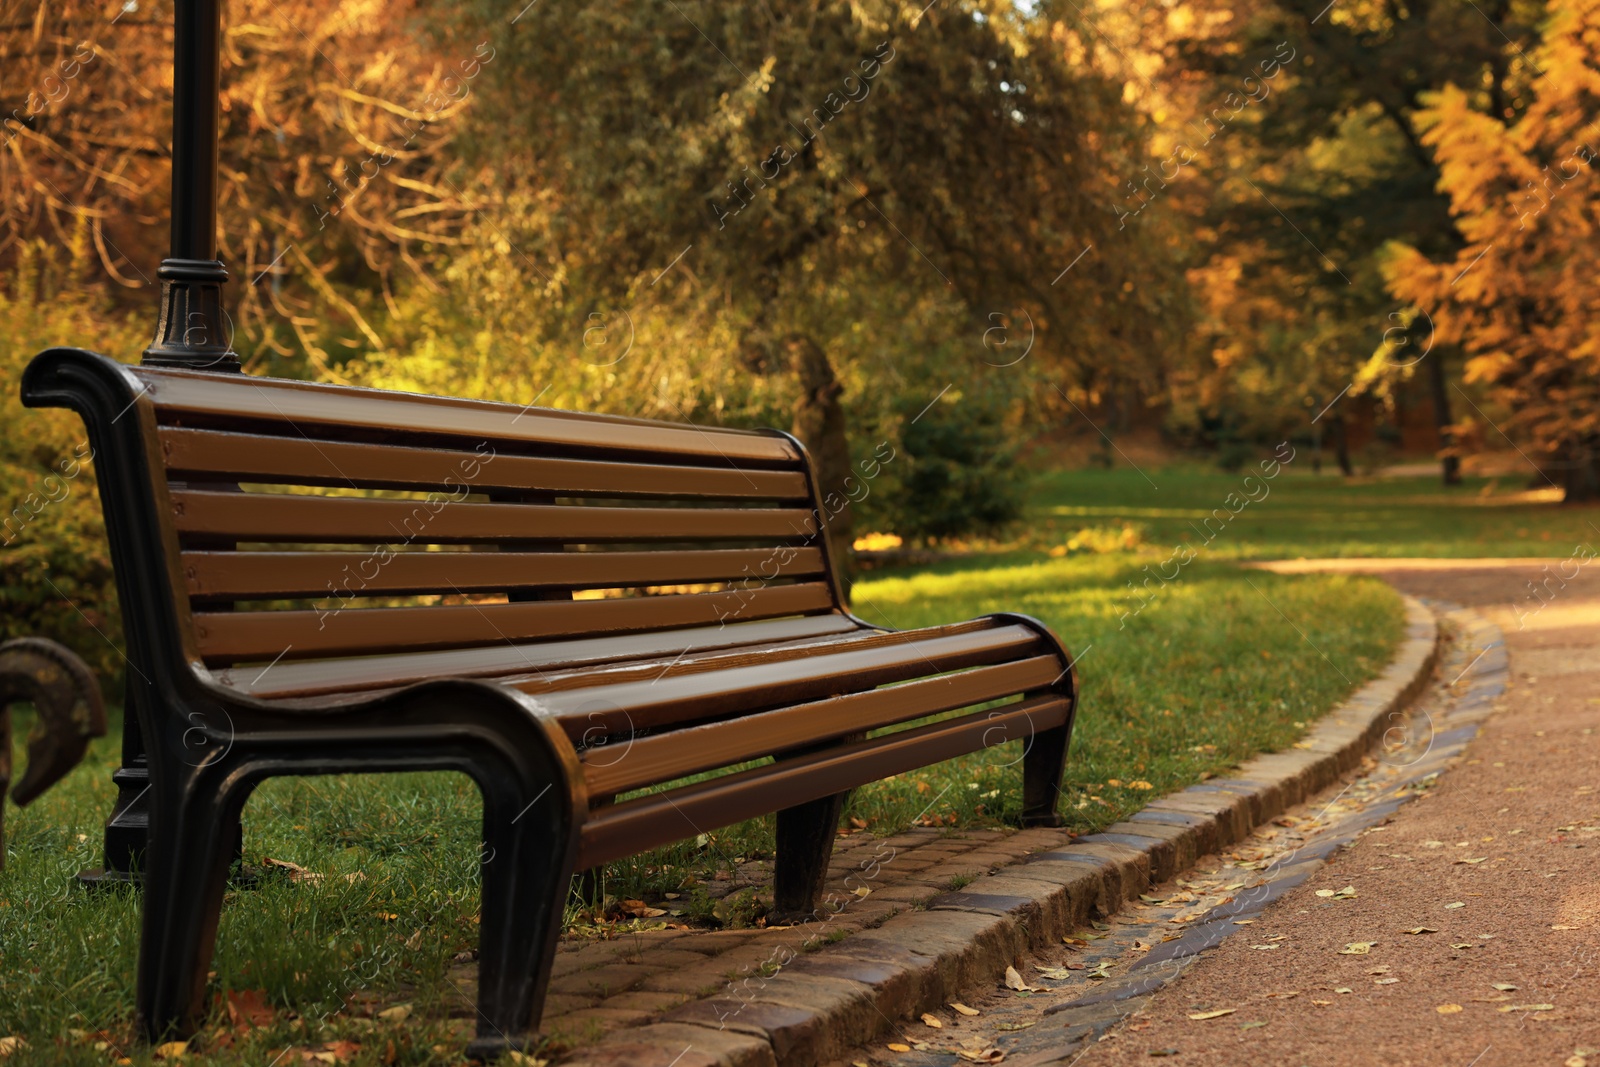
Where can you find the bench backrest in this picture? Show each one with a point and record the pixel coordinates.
(303, 521)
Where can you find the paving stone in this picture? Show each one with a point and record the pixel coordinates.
(968, 948)
(653, 1003)
(603, 981)
(676, 1045)
(1133, 864)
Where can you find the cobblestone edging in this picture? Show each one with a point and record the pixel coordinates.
(820, 1004)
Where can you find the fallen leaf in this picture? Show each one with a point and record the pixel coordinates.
(1243, 922)
(1284, 996)
(1504, 987)
(932, 1020)
(863, 891)
(1056, 974)
(1200, 1016)
(522, 1059)
(1385, 981)
(1163, 1052)
(988, 1055)
(295, 872)
(962, 1008)
(1103, 970)
(1560, 926)
(1265, 947)
(9, 1045)
(1449, 1009)
(248, 1008)
(1528, 1007)
(1357, 948)
(172, 1050)
(895, 1046)
(1251, 1026)
(1457, 904)
(1480, 859)
(1344, 989)
(1422, 930)
(397, 1014)
(1014, 981)
(1014, 1026)
(1463, 944)
(859, 824)
(1322, 1003)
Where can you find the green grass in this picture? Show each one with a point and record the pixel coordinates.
(1301, 514)
(1221, 663)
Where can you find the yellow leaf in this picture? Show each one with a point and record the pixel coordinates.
(1453, 907)
(1505, 987)
(9, 1045)
(1527, 1007)
(1357, 948)
(397, 1014)
(895, 1046)
(932, 1021)
(1449, 1009)
(172, 1050)
(1422, 930)
(962, 1008)
(1199, 1016)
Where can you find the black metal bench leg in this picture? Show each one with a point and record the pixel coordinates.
(805, 845)
(527, 876)
(185, 875)
(1043, 764)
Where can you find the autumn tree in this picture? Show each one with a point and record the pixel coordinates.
(787, 178)
(337, 116)
(1307, 197)
(1518, 296)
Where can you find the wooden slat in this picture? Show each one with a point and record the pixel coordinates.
(231, 400)
(369, 674)
(272, 575)
(274, 517)
(643, 700)
(297, 460)
(623, 767)
(269, 635)
(624, 829)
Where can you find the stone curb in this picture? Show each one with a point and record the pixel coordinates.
(824, 1003)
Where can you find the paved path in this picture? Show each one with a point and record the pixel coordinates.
(1499, 863)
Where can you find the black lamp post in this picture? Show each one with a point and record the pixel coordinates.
(192, 334)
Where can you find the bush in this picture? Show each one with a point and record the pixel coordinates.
(957, 472)
(55, 568)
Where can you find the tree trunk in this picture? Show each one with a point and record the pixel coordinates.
(819, 422)
(1582, 475)
(1450, 463)
(1341, 443)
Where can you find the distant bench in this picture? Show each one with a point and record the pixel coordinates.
(572, 609)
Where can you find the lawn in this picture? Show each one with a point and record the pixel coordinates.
(1188, 678)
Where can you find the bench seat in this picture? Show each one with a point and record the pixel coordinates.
(627, 632)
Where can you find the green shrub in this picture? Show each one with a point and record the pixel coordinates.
(55, 568)
(957, 473)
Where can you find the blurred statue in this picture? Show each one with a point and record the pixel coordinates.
(66, 699)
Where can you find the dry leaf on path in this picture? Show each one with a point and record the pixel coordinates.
(1200, 1016)
(1357, 948)
(1449, 1009)
(1528, 1007)
(1504, 987)
(932, 1020)
(988, 1055)
(1014, 981)
(1056, 974)
(1422, 930)
(1455, 905)
(895, 1046)
(962, 1008)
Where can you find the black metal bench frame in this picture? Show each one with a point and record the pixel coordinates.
(793, 674)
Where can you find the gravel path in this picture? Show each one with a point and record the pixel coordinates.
(1498, 867)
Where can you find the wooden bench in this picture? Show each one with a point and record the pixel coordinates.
(588, 615)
